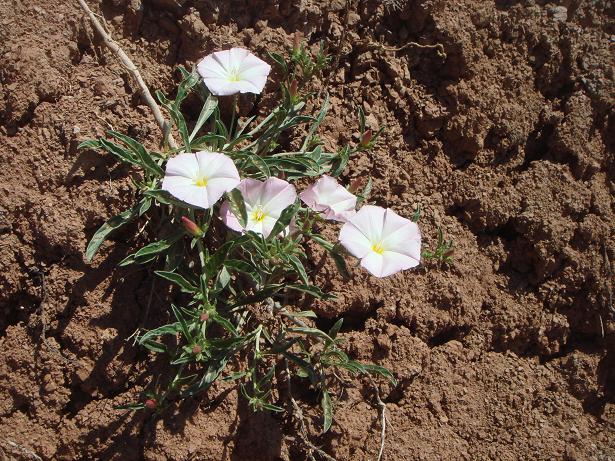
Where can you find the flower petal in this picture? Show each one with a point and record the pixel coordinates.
(393, 262)
(212, 66)
(354, 240)
(216, 187)
(369, 220)
(216, 165)
(374, 263)
(251, 190)
(334, 201)
(228, 217)
(231, 71)
(185, 165)
(191, 194)
(276, 196)
(401, 235)
(267, 225)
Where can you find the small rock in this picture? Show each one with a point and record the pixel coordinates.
(558, 12)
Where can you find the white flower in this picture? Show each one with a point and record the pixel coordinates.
(384, 241)
(233, 71)
(332, 200)
(264, 203)
(200, 179)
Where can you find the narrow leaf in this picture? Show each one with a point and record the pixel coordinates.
(238, 206)
(327, 408)
(101, 234)
(179, 280)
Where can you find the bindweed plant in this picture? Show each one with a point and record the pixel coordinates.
(228, 229)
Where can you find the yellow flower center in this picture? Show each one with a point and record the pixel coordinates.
(377, 248)
(201, 182)
(234, 76)
(258, 215)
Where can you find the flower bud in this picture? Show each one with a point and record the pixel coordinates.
(197, 349)
(297, 41)
(366, 138)
(204, 317)
(293, 87)
(151, 404)
(191, 227)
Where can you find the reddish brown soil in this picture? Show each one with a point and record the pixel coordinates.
(507, 143)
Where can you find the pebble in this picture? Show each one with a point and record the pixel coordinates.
(558, 12)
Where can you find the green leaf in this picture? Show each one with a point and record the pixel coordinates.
(336, 328)
(130, 406)
(367, 190)
(298, 266)
(378, 370)
(280, 61)
(227, 325)
(260, 165)
(208, 108)
(234, 376)
(303, 365)
(309, 314)
(284, 220)
(154, 346)
(272, 407)
(327, 408)
(322, 241)
(339, 260)
(244, 267)
(182, 322)
(90, 144)
(170, 329)
(310, 289)
(179, 280)
(164, 197)
(361, 119)
(145, 159)
(319, 118)
(153, 249)
(116, 221)
(238, 206)
(342, 160)
(207, 140)
(213, 370)
(311, 332)
(222, 280)
(122, 154)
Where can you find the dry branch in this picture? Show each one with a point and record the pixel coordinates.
(130, 67)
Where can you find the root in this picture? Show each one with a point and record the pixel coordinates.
(132, 69)
(43, 317)
(438, 47)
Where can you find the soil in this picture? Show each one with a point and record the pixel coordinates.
(507, 143)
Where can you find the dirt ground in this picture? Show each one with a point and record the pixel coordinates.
(507, 143)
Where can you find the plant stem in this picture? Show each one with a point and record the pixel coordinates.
(233, 115)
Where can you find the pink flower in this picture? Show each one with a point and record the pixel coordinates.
(330, 199)
(200, 179)
(385, 242)
(264, 203)
(233, 71)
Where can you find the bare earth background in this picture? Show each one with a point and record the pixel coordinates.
(508, 144)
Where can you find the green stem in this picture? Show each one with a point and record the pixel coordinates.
(233, 115)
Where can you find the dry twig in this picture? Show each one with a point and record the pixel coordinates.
(383, 418)
(130, 67)
(23, 451)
